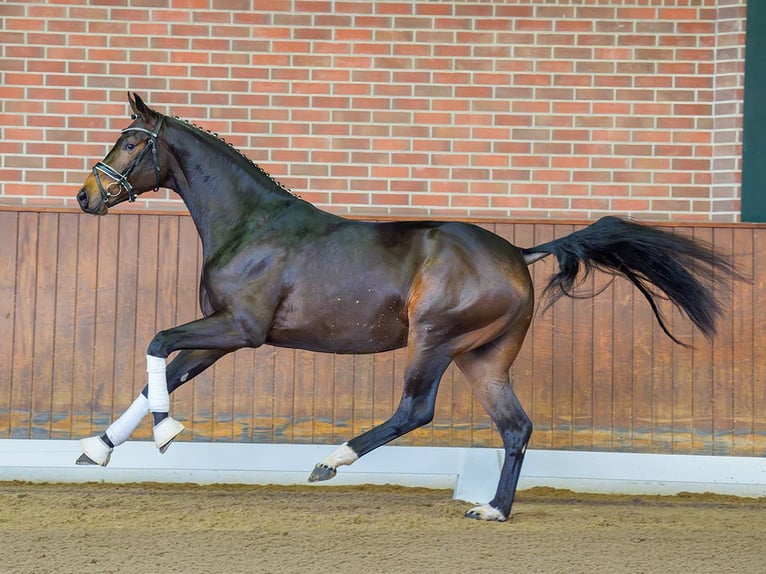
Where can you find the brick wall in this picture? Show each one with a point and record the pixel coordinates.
(538, 108)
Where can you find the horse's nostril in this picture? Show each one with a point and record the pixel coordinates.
(82, 198)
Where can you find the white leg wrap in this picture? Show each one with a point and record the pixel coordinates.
(159, 398)
(340, 456)
(121, 429)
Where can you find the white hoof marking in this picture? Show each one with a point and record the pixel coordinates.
(344, 454)
(486, 512)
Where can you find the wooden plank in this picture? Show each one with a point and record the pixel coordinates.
(702, 421)
(582, 369)
(85, 326)
(723, 392)
(363, 394)
(23, 332)
(263, 390)
(562, 316)
(603, 366)
(284, 387)
(542, 353)
(741, 311)
(343, 399)
(683, 381)
(303, 397)
(759, 341)
(663, 350)
(9, 232)
(323, 407)
(62, 395)
(625, 351)
(44, 325)
(106, 323)
(146, 312)
(128, 376)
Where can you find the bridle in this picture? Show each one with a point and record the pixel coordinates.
(121, 179)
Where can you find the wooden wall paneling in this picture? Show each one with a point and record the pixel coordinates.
(85, 327)
(759, 340)
(9, 234)
(741, 311)
(105, 297)
(562, 401)
(542, 350)
(625, 351)
(593, 373)
(44, 325)
(723, 395)
(65, 325)
(702, 422)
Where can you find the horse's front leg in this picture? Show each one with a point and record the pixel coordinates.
(183, 368)
(218, 332)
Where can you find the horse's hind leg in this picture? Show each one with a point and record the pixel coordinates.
(416, 408)
(487, 371)
(184, 367)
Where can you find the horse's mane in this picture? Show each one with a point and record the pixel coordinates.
(252, 164)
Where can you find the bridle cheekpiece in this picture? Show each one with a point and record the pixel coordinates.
(121, 179)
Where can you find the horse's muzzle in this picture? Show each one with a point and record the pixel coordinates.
(84, 203)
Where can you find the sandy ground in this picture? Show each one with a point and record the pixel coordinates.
(105, 528)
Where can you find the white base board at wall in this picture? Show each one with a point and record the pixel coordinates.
(472, 473)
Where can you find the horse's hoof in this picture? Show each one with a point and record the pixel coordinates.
(165, 432)
(322, 472)
(95, 452)
(486, 512)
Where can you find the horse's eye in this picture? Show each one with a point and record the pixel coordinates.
(130, 146)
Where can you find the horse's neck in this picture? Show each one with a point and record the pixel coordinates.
(221, 190)
(228, 197)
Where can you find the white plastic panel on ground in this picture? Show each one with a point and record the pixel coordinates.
(471, 472)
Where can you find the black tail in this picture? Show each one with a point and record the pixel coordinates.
(649, 258)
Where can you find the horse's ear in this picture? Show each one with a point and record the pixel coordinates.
(139, 107)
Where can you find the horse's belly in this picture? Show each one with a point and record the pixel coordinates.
(356, 338)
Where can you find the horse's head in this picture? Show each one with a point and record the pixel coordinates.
(131, 167)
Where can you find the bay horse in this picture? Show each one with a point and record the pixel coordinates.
(277, 270)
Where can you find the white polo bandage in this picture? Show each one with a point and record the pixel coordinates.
(159, 398)
(121, 429)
